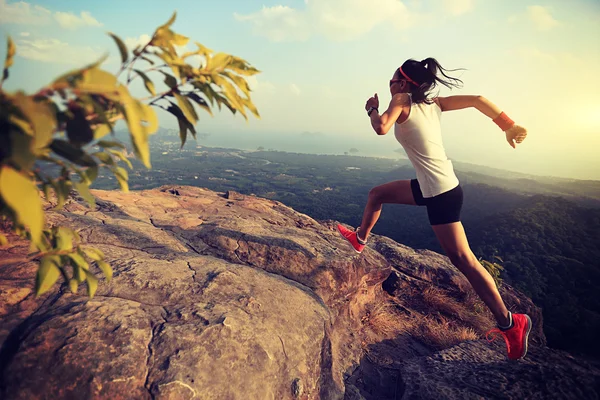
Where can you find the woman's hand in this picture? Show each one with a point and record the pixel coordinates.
(515, 133)
(372, 102)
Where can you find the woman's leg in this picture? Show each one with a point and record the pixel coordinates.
(453, 240)
(396, 192)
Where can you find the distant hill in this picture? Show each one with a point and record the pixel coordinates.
(551, 251)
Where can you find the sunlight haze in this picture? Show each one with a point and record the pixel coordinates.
(321, 59)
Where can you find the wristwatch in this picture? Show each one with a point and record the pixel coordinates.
(370, 110)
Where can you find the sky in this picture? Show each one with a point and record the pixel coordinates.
(320, 60)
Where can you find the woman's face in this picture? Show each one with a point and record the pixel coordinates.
(397, 84)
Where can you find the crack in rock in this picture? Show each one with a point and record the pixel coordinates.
(154, 331)
(193, 270)
(283, 346)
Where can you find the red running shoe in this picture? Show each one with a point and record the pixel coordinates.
(515, 337)
(351, 237)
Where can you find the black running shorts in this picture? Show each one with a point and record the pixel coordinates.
(441, 209)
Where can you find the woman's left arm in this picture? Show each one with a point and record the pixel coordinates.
(382, 123)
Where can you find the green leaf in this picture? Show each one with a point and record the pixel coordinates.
(21, 195)
(121, 46)
(72, 153)
(84, 191)
(187, 108)
(170, 80)
(147, 82)
(106, 270)
(64, 238)
(105, 143)
(47, 274)
(10, 54)
(93, 253)
(92, 283)
(73, 285)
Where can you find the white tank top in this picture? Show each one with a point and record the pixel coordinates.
(421, 137)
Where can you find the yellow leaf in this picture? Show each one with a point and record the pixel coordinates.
(147, 82)
(73, 285)
(47, 274)
(79, 261)
(98, 81)
(122, 156)
(64, 238)
(187, 108)
(139, 135)
(3, 240)
(179, 40)
(21, 195)
(122, 177)
(93, 253)
(170, 21)
(218, 61)
(10, 53)
(92, 283)
(150, 118)
(37, 119)
(106, 270)
(101, 131)
(84, 191)
(121, 46)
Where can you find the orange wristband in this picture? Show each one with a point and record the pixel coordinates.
(503, 121)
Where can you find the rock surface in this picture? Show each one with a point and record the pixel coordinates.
(228, 296)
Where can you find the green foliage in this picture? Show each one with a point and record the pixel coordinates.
(494, 269)
(53, 140)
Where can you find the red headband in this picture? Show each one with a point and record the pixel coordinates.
(407, 78)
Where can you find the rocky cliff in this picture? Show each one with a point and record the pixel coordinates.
(224, 296)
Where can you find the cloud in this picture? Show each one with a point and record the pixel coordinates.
(72, 21)
(458, 7)
(278, 23)
(25, 34)
(295, 89)
(133, 42)
(335, 19)
(24, 13)
(260, 86)
(56, 51)
(541, 18)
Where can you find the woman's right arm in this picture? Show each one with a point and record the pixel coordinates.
(479, 102)
(514, 132)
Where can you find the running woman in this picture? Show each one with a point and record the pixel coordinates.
(415, 115)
